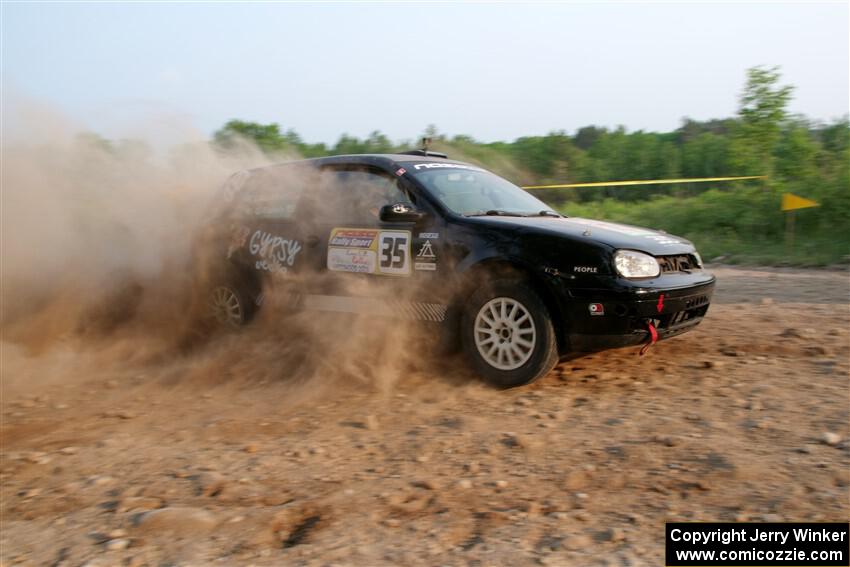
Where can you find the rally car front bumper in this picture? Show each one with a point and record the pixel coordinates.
(597, 319)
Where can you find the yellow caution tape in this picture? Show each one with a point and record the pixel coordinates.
(644, 182)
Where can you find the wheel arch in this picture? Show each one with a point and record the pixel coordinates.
(508, 268)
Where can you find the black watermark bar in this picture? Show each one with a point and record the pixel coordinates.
(692, 544)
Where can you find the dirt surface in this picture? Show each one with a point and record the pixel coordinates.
(151, 461)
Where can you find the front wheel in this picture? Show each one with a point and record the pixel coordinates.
(508, 335)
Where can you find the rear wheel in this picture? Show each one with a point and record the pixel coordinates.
(230, 305)
(508, 335)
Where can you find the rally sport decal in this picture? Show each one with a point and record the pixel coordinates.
(369, 251)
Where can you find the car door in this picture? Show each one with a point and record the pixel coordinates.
(353, 244)
(431, 265)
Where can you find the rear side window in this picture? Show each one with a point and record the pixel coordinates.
(273, 193)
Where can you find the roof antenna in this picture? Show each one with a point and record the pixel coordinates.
(424, 151)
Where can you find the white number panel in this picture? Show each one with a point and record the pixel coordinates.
(394, 253)
(370, 251)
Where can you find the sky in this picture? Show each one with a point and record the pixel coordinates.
(495, 71)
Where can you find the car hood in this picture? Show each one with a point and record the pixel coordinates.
(613, 234)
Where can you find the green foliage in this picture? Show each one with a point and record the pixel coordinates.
(706, 155)
(796, 152)
(267, 137)
(376, 143)
(547, 157)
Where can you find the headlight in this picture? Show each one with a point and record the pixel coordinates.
(631, 264)
(698, 258)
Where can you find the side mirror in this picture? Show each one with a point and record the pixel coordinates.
(400, 212)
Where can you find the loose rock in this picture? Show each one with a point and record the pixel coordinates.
(117, 544)
(177, 520)
(139, 503)
(578, 542)
(831, 438)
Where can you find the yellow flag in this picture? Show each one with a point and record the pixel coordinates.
(791, 202)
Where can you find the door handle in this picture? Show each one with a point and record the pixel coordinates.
(311, 241)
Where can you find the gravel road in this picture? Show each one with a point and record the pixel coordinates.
(237, 455)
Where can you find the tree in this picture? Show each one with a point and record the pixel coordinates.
(707, 155)
(835, 137)
(547, 156)
(267, 137)
(796, 152)
(691, 129)
(348, 145)
(761, 114)
(378, 143)
(432, 133)
(587, 136)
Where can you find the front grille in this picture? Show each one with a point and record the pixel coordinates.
(696, 301)
(677, 263)
(682, 316)
(671, 320)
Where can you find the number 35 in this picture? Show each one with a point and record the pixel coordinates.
(394, 253)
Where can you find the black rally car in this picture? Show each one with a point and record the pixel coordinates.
(514, 282)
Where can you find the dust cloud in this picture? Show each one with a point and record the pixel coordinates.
(101, 271)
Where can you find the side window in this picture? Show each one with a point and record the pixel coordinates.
(273, 193)
(356, 195)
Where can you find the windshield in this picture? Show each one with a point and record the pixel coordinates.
(471, 192)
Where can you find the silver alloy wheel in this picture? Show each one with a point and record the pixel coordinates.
(504, 333)
(226, 307)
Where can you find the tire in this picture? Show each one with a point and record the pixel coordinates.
(230, 305)
(507, 334)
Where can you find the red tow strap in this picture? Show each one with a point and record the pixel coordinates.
(653, 338)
